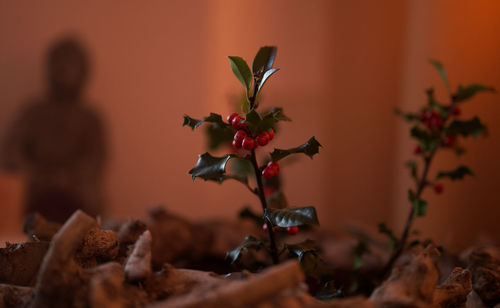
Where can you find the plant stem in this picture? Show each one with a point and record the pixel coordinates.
(262, 197)
(420, 187)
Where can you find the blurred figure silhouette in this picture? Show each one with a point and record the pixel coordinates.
(57, 142)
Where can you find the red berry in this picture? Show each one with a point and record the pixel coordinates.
(240, 134)
(231, 117)
(263, 138)
(268, 172)
(456, 111)
(237, 144)
(271, 134)
(264, 227)
(450, 140)
(248, 143)
(435, 121)
(292, 230)
(275, 166)
(268, 191)
(425, 116)
(417, 150)
(236, 122)
(438, 188)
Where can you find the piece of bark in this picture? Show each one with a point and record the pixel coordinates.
(484, 264)
(36, 225)
(106, 286)
(138, 265)
(410, 285)
(453, 292)
(245, 293)
(98, 246)
(19, 263)
(14, 296)
(61, 282)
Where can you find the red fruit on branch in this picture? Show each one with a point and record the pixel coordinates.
(292, 230)
(239, 135)
(417, 150)
(438, 188)
(264, 227)
(275, 166)
(231, 117)
(237, 144)
(271, 134)
(449, 140)
(248, 143)
(435, 121)
(263, 138)
(268, 172)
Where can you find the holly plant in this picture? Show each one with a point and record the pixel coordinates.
(250, 133)
(437, 126)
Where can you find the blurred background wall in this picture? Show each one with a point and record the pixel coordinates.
(344, 66)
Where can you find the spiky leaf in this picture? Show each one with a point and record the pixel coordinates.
(264, 60)
(467, 92)
(250, 242)
(248, 213)
(393, 240)
(407, 116)
(455, 174)
(310, 148)
(292, 216)
(210, 167)
(442, 72)
(266, 76)
(426, 140)
(465, 128)
(412, 165)
(241, 71)
(299, 250)
(212, 118)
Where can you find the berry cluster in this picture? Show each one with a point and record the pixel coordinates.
(243, 138)
(271, 170)
(434, 122)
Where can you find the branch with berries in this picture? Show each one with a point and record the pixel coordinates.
(248, 132)
(436, 127)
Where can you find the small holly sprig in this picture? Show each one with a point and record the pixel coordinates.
(250, 131)
(436, 127)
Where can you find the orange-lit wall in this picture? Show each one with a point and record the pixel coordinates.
(344, 65)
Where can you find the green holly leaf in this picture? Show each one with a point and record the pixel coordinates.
(258, 123)
(237, 177)
(241, 71)
(209, 167)
(299, 250)
(309, 148)
(218, 135)
(277, 114)
(292, 216)
(465, 128)
(266, 76)
(250, 242)
(426, 140)
(264, 60)
(393, 240)
(212, 118)
(407, 116)
(412, 165)
(358, 251)
(467, 92)
(419, 207)
(442, 72)
(455, 174)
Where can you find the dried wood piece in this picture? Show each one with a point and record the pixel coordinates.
(106, 286)
(453, 292)
(98, 246)
(19, 263)
(412, 284)
(60, 281)
(36, 225)
(138, 265)
(245, 293)
(484, 264)
(14, 296)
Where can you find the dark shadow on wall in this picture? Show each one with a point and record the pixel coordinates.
(57, 142)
